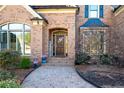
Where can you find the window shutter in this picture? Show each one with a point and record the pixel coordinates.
(86, 11)
(101, 11)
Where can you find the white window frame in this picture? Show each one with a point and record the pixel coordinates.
(92, 10)
(23, 32)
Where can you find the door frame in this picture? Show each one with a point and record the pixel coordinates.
(56, 44)
(64, 32)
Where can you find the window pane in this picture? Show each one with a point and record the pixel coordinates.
(5, 27)
(27, 27)
(93, 42)
(16, 26)
(93, 14)
(3, 40)
(27, 43)
(16, 41)
(93, 7)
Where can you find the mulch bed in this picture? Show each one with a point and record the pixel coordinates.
(104, 79)
(22, 73)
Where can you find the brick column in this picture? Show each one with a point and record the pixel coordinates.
(71, 43)
(45, 40)
(36, 41)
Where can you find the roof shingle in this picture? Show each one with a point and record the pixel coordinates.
(94, 22)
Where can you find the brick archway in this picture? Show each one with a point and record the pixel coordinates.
(58, 42)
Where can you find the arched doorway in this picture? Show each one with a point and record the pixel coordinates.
(58, 43)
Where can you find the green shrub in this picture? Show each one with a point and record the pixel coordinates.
(9, 58)
(15, 59)
(106, 59)
(4, 75)
(115, 60)
(9, 84)
(25, 63)
(118, 61)
(82, 58)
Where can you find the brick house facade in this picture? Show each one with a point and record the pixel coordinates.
(60, 31)
(117, 32)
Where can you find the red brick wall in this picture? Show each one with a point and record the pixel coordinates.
(117, 34)
(64, 21)
(18, 14)
(80, 20)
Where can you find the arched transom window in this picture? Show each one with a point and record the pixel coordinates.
(15, 36)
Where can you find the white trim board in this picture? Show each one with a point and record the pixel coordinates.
(29, 9)
(2, 7)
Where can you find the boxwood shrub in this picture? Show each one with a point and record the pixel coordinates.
(106, 59)
(82, 58)
(25, 63)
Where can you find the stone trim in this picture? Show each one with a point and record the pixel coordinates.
(119, 10)
(2, 7)
(56, 10)
(29, 9)
(94, 28)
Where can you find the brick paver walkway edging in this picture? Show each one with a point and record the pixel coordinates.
(55, 77)
(87, 79)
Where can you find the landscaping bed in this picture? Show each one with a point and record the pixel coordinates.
(102, 75)
(13, 78)
(13, 68)
(21, 73)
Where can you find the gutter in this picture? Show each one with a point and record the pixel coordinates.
(117, 8)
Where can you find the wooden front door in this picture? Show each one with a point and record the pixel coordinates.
(59, 45)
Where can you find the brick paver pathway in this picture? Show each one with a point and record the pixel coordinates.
(55, 77)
